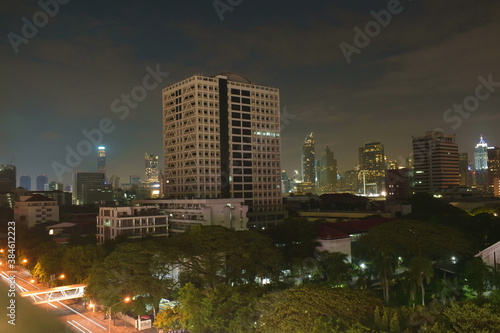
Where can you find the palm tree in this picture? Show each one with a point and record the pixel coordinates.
(336, 267)
(384, 264)
(421, 271)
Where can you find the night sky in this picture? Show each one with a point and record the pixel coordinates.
(64, 78)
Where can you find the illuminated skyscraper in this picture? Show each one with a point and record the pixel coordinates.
(372, 165)
(481, 165)
(481, 155)
(152, 171)
(308, 165)
(101, 160)
(436, 162)
(222, 140)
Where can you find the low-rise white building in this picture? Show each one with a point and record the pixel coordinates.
(134, 222)
(491, 255)
(185, 213)
(34, 209)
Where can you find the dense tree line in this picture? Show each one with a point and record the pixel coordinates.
(416, 274)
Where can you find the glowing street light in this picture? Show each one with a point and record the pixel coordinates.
(62, 277)
(125, 300)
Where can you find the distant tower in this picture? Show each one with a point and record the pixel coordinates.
(372, 164)
(463, 160)
(41, 180)
(25, 182)
(481, 163)
(481, 155)
(327, 172)
(101, 159)
(152, 171)
(436, 162)
(309, 163)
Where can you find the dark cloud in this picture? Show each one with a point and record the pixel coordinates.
(64, 80)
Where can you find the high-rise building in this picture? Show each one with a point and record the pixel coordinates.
(481, 155)
(7, 177)
(481, 164)
(493, 167)
(152, 171)
(101, 160)
(222, 140)
(25, 182)
(285, 182)
(372, 165)
(309, 165)
(327, 172)
(90, 187)
(397, 184)
(463, 160)
(436, 162)
(41, 180)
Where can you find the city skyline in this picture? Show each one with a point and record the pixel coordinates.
(409, 79)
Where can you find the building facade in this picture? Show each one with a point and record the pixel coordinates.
(222, 140)
(185, 213)
(34, 209)
(463, 160)
(101, 160)
(436, 162)
(25, 182)
(308, 165)
(372, 165)
(7, 178)
(90, 187)
(493, 167)
(327, 172)
(41, 181)
(133, 222)
(152, 174)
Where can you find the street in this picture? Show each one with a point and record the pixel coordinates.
(72, 315)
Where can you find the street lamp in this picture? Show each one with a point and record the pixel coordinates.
(125, 300)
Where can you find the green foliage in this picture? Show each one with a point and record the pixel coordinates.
(335, 268)
(223, 309)
(131, 270)
(211, 256)
(478, 276)
(78, 261)
(420, 271)
(299, 309)
(471, 318)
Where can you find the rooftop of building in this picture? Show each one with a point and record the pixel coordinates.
(337, 230)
